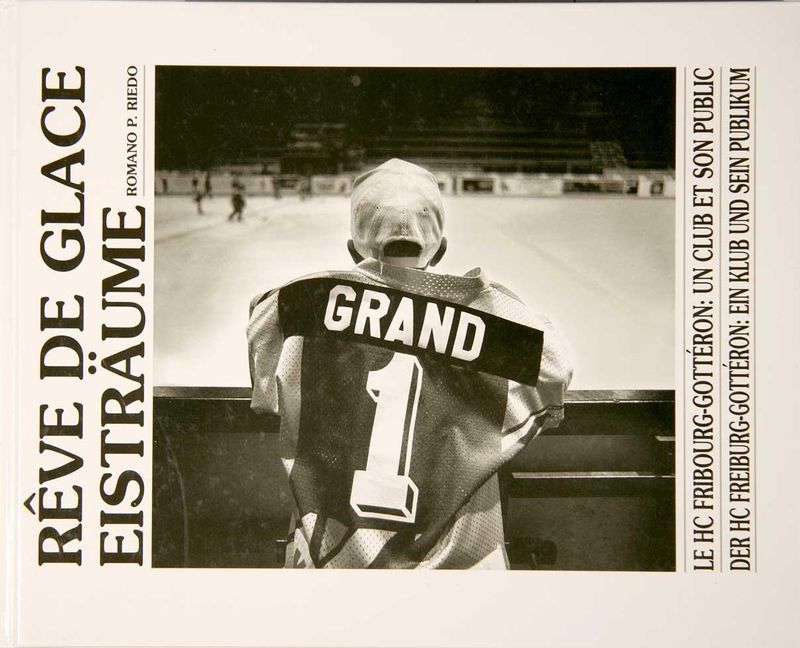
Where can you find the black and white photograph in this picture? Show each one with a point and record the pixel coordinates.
(414, 318)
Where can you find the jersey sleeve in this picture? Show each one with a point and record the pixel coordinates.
(555, 374)
(531, 409)
(265, 343)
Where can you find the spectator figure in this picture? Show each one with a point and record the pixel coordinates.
(276, 186)
(401, 392)
(197, 193)
(237, 198)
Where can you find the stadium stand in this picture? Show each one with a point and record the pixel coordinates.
(502, 150)
(317, 122)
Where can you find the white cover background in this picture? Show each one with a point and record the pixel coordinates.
(90, 605)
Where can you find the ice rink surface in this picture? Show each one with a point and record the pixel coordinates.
(601, 268)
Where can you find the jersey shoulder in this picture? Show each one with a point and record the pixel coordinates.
(556, 354)
(505, 291)
(506, 303)
(502, 302)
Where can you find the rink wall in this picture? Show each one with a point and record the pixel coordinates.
(642, 184)
(598, 493)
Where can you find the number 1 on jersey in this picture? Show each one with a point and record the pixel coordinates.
(385, 490)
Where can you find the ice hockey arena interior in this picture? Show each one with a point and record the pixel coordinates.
(559, 183)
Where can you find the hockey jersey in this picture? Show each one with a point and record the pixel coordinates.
(401, 393)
